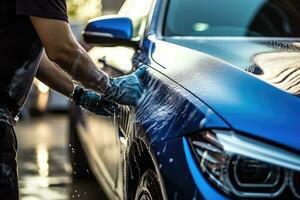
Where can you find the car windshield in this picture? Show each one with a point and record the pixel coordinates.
(256, 18)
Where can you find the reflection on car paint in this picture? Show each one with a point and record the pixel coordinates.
(280, 69)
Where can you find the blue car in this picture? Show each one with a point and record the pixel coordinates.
(219, 118)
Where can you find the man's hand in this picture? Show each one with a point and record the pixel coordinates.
(52, 76)
(95, 103)
(126, 90)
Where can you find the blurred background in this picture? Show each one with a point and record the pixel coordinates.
(45, 171)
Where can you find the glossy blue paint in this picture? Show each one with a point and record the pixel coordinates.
(248, 104)
(114, 27)
(225, 48)
(172, 164)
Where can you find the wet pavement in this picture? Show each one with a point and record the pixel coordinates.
(45, 172)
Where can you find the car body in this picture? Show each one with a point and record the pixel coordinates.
(219, 115)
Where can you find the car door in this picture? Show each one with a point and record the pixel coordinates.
(102, 133)
(138, 12)
(106, 135)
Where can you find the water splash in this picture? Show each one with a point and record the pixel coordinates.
(284, 45)
(175, 196)
(164, 112)
(195, 194)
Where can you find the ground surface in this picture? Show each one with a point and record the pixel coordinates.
(44, 168)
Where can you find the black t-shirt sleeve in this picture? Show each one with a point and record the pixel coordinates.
(52, 9)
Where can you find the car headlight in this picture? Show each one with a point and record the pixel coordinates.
(245, 168)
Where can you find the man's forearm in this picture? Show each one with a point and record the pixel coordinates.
(63, 49)
(76, 62)
(52, 76)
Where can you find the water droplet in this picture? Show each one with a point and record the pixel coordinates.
(165, 148)
(203, 123)
(160, 166)
(175, 196)
(158, 153)
(171, 160)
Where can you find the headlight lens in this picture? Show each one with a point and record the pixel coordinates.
(253, 176)
(242, 171)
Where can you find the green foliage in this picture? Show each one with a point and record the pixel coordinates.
(84, 9)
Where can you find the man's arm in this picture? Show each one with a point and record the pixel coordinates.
(51, 75)
(63, 49)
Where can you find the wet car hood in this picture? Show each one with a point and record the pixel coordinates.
(276, 61)
(251, 84)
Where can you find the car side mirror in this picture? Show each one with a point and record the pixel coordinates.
(110, 31)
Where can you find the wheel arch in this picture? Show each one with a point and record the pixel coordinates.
(140, 158)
